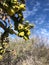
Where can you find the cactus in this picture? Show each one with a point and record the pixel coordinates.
(8, 9)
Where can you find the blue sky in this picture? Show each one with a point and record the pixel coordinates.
(37, 12)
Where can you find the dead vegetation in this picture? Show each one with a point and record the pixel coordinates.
(31, 52)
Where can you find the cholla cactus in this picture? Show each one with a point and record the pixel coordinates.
(8, 9)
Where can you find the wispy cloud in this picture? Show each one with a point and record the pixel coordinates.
(37, 3)
(46, 9)
(40, 20)
(46, 6)
(43, 32)
(47, 3)
(46, 25)
(33, 11)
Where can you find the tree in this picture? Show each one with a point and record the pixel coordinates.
(12, 9)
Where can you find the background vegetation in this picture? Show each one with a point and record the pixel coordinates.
(31, 52)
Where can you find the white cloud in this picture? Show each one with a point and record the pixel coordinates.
(47, 4)
(46, 9)
(26, 13)
(37, 3)
(46, 25)
(43, 32)
(33, 11)
(40, 20)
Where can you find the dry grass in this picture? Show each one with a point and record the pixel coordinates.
(31, 52)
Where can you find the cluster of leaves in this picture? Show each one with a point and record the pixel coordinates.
(8, 9)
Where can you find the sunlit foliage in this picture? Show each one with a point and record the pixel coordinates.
(13, 9)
